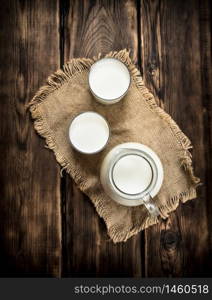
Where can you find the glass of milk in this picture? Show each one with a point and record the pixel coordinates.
(109, 80)
(89, 132)
(132, 174)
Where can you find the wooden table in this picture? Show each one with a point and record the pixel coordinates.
(47, 226)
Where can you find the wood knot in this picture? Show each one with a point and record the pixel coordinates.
(170, 239)
(152, 67)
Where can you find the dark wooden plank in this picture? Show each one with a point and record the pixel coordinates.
(173, 70)
(30, 181)
(91, 27)
(205, 19)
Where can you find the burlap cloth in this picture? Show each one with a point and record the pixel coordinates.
(136, 118)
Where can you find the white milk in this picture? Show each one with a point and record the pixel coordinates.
(109, 78)
(89, 132)
(132, 174)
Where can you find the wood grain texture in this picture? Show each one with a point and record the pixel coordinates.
(47, 226)
(205, 11)
(91, 27)
(171, 52)
(29, 176)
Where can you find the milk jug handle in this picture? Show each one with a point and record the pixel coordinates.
(150, 205)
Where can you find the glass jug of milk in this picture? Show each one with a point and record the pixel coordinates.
(132, 174)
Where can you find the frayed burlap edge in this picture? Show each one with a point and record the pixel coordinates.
(55, 81)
